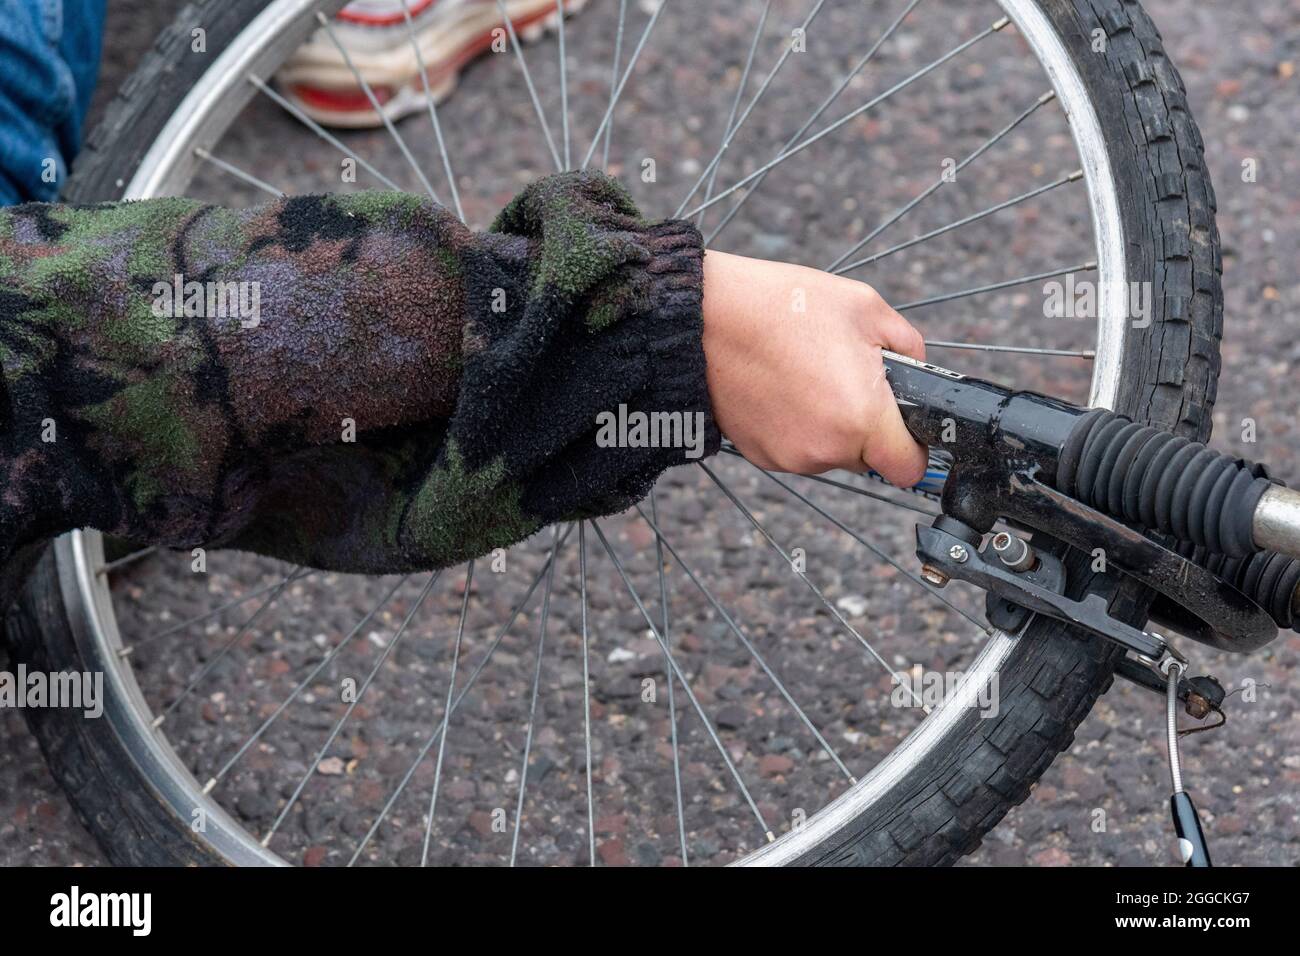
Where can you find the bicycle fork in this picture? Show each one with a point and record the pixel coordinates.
(1202, 542)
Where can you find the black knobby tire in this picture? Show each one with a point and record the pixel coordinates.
(942, 806)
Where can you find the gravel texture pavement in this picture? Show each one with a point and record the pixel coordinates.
(1239, 63)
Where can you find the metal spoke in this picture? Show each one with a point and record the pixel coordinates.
(854, 489)
(984, 214)
(863, 492)
(944, 179)
(244, 599)
(298, 689)
(238, 173)
(586, 692)
(758, 526)
(123, 561)
(813, 118)
(446, 713)
(319, 130)
(878, 552)
(132, 558)
(532, 706)
(735, 103)
(870, 104)
(528, 80)
(352, 705)
(708, 726)
(613, 80)
(564, 86)
(1022, 349)
(618, 93)
(748, 645)
(469, 684)
(374, 102)
(995, 286)
(762, 90)
(916, 491)
(229, 646)
(672, 704)
(433, 111)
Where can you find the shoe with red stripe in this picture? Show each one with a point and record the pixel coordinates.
(450, 34)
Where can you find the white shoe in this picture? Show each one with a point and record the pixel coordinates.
(450, 34)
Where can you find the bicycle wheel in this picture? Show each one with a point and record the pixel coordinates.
(711, 716)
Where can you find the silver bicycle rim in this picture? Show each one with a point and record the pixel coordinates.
(201, 119)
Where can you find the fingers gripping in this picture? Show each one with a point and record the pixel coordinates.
(889, 447)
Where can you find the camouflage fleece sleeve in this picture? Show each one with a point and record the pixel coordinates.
(353, 382)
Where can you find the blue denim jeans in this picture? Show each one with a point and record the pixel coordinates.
(49, 59)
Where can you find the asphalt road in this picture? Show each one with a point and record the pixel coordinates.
(1239, 63)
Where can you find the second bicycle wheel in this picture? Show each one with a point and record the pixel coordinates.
(766, 680)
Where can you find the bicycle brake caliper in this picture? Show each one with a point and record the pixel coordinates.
(1012, 452)
(1026, 459)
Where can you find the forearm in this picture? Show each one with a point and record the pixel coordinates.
(392, 391)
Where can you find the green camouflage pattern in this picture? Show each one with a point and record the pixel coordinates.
(352, 382)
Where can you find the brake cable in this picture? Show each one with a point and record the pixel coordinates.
(1192, 848)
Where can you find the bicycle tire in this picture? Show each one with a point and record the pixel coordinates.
(944, 803)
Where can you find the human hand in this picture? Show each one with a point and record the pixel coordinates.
(795, 372)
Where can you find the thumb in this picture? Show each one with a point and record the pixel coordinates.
(890, 448)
